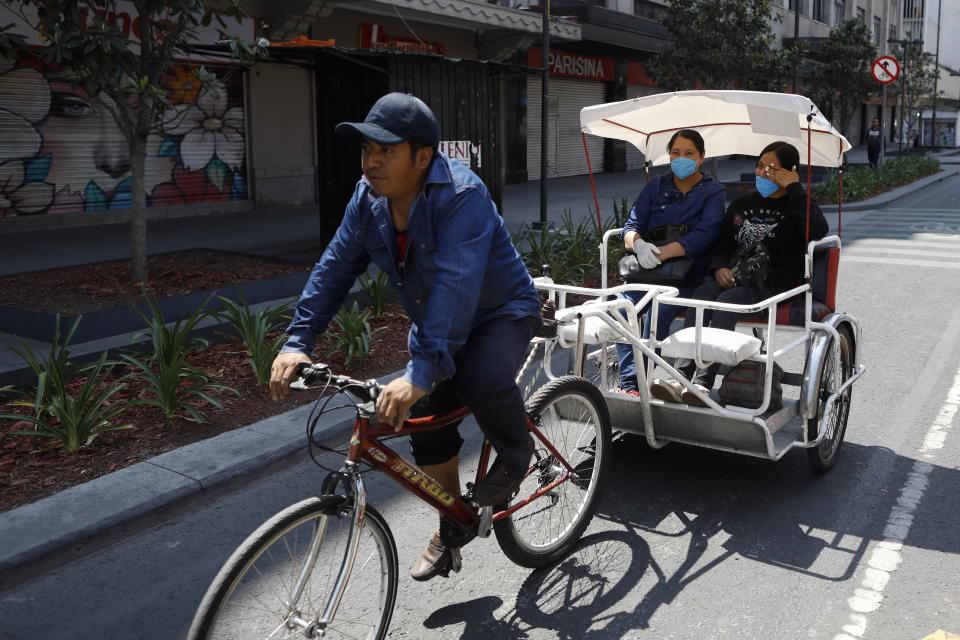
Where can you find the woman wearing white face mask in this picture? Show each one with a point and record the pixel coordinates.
(773, 216)
(684, 196)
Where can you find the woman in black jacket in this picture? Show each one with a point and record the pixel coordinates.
(775, 216)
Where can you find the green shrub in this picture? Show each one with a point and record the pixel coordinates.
(74, 421)
(861, 183)
(355, 335)
(378, 292)
(252, 328)
(571, 250)
(175, 383)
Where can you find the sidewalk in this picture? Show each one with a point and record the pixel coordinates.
(39, 536)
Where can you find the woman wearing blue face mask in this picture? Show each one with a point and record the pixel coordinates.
(683, 196)
(774, 215)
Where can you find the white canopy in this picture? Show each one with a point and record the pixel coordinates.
(731, 122)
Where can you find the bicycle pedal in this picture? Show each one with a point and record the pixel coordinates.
(486, 522)
(456, 562)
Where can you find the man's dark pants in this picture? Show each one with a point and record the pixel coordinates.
(487, 366)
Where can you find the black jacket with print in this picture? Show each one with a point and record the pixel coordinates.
(780, 223)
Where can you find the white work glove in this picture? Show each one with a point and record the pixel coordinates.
(647, 253)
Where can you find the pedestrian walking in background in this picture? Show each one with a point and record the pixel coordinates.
(873, 143)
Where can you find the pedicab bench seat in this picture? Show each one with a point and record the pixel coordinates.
(716, 345)
(826, 262)
(595, 330)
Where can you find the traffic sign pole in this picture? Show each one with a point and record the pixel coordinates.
(885, 70)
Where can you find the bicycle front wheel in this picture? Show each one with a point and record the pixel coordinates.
(572, 416)
(253, 595)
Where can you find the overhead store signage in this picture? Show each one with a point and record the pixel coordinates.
(127, 18)
(373, 37)
(573, 65)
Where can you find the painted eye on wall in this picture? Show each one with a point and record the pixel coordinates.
(69, 105)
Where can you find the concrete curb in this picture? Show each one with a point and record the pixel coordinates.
(895, 194)
(44, 534)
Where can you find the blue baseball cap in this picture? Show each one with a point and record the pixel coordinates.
(395, 118)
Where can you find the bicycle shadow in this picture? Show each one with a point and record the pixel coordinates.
(700, 509)
(478, 617)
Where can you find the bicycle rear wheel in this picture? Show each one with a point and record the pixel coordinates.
(251, 596)
(572, 415)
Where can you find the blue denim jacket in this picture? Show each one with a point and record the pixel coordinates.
(702, 207)
(461, 269)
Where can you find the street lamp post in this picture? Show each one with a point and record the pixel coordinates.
(797, 9)
(936, 69)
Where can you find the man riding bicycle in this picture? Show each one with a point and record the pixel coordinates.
(430, 225)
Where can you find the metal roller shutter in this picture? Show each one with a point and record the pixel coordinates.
(634, 157)
(565, 155)
(67, 155)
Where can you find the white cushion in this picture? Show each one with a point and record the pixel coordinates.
(595, 329)
(717, 345)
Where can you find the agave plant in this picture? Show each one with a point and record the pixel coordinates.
(252, 327)
(72, 419)
(176, 384)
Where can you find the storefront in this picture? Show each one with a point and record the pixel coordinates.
(576, 81)
(65, 154)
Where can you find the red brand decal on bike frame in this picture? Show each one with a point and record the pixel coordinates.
(418, 478)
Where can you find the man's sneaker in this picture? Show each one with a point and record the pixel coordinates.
(692, 399)
(497, 487)
(669, 390)
(627, 391)
(437, 560)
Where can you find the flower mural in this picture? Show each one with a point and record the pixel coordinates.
(183, 85)
(20, 194)
(24, 101)
(209, 128)
(62, 152)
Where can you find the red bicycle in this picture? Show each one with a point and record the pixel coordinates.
(327, 566)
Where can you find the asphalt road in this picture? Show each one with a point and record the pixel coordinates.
(687, 543)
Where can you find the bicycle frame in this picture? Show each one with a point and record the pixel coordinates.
(366, 444)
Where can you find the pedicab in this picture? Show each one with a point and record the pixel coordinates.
(801, 330)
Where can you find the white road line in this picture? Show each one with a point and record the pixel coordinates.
(903, 261)
(943, 243)
(904, 250)
(886, 556)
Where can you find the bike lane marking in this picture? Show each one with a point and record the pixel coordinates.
(886, 556)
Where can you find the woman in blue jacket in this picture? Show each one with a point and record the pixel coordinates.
(684, 196)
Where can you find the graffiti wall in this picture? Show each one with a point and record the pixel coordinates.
(62, 152)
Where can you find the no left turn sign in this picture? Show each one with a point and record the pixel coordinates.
(886, 69)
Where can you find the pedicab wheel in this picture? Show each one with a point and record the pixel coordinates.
(595, 359)
(572, 416)
(251, 597)
(836, 369)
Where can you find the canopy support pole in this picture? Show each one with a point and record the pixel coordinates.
(840, 204)
(593, 185)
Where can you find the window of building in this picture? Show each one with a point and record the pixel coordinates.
(913, 8)
(877, 30)
(861, 15)
(818, 12)
(839, 11)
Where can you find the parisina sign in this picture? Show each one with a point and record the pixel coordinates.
(573, 65)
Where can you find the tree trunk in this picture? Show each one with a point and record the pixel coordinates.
(138, 209)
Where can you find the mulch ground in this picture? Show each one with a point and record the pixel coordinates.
(30, 469)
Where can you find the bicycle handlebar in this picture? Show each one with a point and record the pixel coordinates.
(318, 373)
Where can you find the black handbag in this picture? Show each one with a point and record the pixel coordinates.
(675, 272)
(751, 266)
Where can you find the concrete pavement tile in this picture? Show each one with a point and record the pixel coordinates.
(51, 524)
